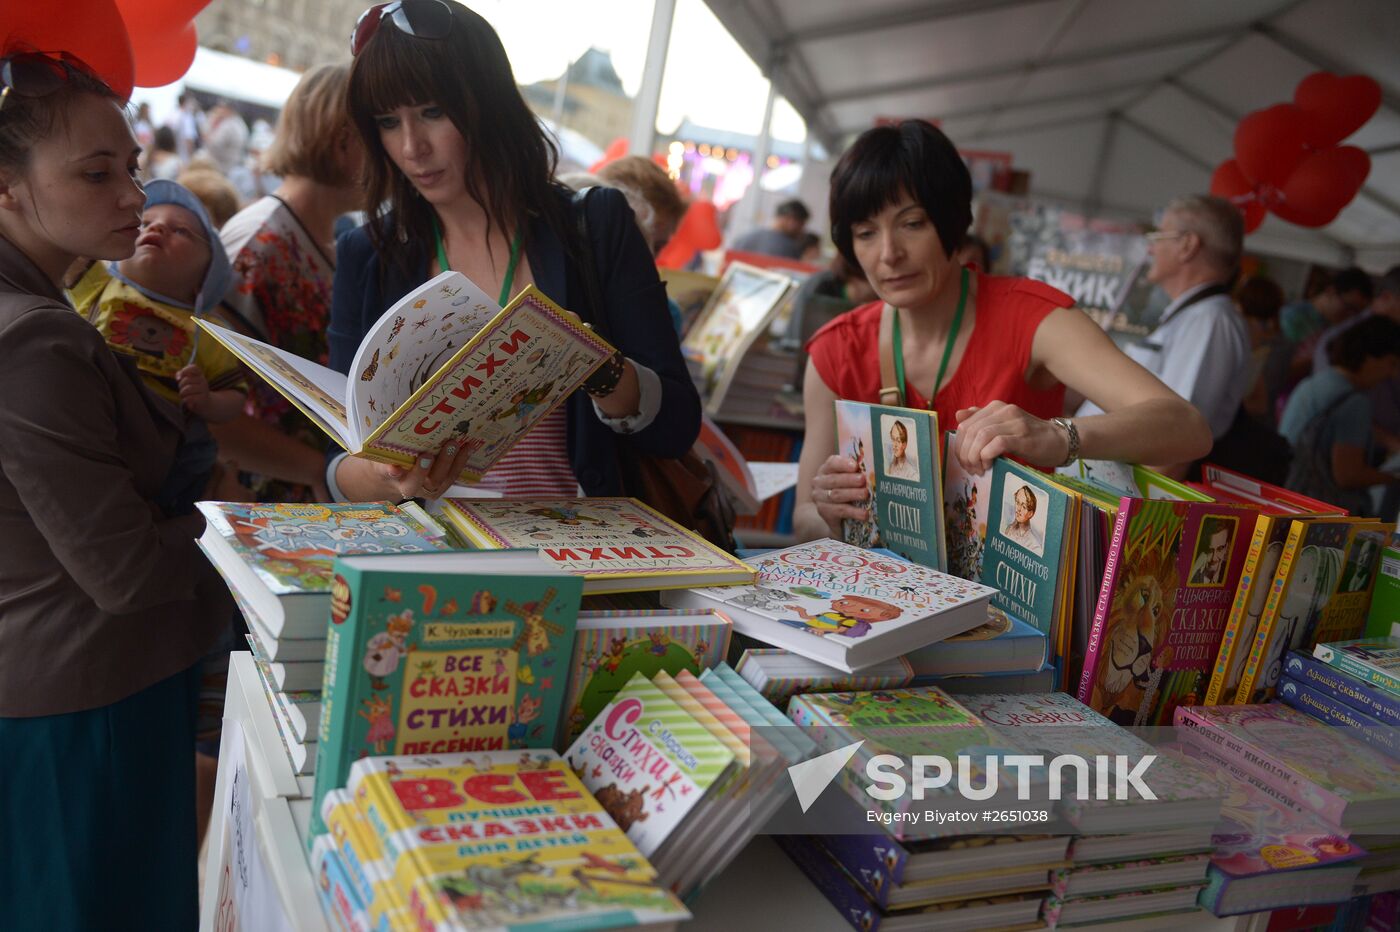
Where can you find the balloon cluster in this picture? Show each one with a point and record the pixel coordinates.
(1287, 158)
(127, 42)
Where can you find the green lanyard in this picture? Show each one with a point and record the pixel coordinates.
(510, 266)
(947, 349)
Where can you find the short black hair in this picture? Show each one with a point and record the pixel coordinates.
(914, 157)
(795, 209)
(1353, 279)
(1259, 297)
(1374, 337)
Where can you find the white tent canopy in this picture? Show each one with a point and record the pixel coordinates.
(1114, 106)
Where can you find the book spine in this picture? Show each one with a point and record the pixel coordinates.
(876, 862)
(1362, 671)
(1283, 795)
(1105, 602)
(1257, 664)
(1229, 641)
(337, 711)
(1284, 779)
(1327, 709)
(834, 883)
(1363, 697)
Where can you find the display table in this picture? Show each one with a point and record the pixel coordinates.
(762, 889)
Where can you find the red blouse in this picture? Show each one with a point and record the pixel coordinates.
(1009, 310)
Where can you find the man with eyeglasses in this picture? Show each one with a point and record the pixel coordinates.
(1200, 348)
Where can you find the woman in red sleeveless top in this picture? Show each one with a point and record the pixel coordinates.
(991, 355)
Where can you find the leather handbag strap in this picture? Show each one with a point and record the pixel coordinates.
(891, 392)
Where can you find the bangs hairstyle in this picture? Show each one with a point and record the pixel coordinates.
(510, 159)
(27, 120)
(888, 161)
(309, 129)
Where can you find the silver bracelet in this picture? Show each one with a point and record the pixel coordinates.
(1072, 433)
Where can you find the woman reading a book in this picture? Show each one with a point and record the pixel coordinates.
(991, 355)
(106, 606)
(460, 176)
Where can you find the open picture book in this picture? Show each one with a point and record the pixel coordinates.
(444, 361)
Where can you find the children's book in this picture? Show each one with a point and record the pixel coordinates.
(1372, 660)
(426, 655)
(1028, 558)
(444, 362)
(1142, 874)
(648, 762)
(738, 311)
(283, 674)
(1163, 607)
(301, 753)
(844, 606)
(614, 544)
(1342, 780)
(1001, 644)
(610, 647)
(896, 450)
(1307, 576)
(1062, 912)
(1259, 838)
(1383, 617)
(1226, 485)
(1329, 709)
(1367, 699)
(1129, 480)
(300, 709)
(505, 840)
(370, 872)
(1343, 618)
(277, 558)
(781, 674)
(1251, 595)
(966, 505)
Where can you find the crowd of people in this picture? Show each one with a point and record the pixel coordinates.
(115, 632)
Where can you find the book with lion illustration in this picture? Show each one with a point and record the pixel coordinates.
(1163, 606)
(648, 762)
(426, 655)
(445, 361)
(505, 840)
(611, 646)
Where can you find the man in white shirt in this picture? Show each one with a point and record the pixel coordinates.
(1200, 348)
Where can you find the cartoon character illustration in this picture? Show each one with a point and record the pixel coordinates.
(701, 649)
(762, 598)
(1315, 576)
(385, 649)
(573, 517)
(482, 603)
(659, 640)
(500, 662)
(849, 616)
(525, 713)
(378, 711)
(535, 637)
(1125, 672)
(524, 402)
(616, 648)
(626, 809)
(146, 333)
(501, 885)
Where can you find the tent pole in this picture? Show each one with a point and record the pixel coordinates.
(644, 108)
(749, 217)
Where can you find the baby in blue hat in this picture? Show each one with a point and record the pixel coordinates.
(146, 306)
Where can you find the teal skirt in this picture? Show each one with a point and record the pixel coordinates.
(97, 815)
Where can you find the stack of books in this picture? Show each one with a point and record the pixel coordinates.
(277, 561)
(780, 674)
(1327, 692)
(1001, 655)
(485, 840)
(674, 764)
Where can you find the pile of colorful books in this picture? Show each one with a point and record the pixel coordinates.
(492, 839)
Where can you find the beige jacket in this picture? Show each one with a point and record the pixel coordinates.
(100, 595)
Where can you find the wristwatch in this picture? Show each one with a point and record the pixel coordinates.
(1072, 433)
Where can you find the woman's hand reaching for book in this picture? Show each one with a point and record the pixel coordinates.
(840, 490)
(1000, 429)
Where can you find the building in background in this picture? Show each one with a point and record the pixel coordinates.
(588, 98)
(295, 34)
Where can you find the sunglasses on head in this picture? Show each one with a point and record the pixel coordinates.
(422, 19)
(37, 74)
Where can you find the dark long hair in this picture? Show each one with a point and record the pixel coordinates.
(510, 159)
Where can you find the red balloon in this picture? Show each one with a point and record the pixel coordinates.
(91, 30)
(615, 150)
(1333, 108)
(163, 57)
(698, 229)
(1270, 143)
(1229, 181)
(1254, 215)
(1322, 185)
